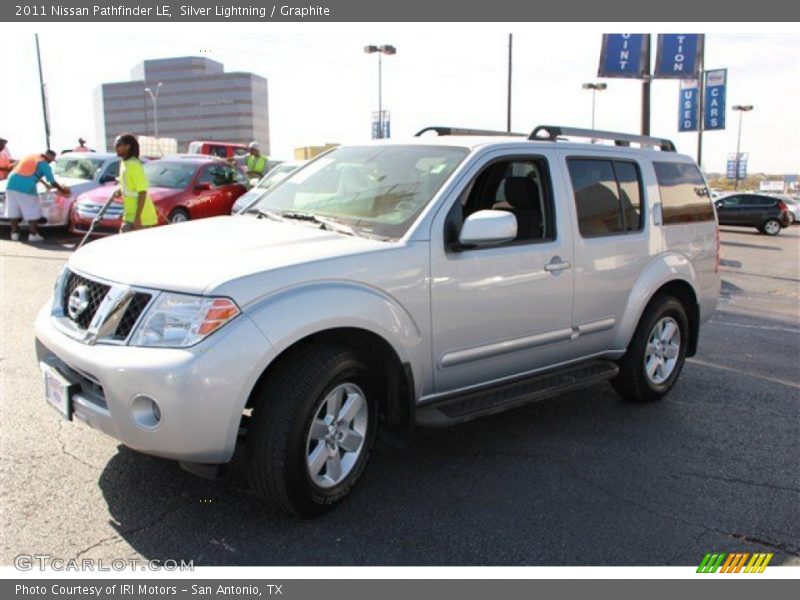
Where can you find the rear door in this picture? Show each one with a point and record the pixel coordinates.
(611, 245)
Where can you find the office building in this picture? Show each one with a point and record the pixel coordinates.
(197, 100)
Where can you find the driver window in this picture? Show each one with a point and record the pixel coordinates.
(520, 187)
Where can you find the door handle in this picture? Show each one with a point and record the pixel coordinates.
(556, 264)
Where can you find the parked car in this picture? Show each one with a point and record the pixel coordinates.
(272, 178)
(766, 213)
(218, 149)
(387, 285)
(181, 189)
(794, 209)
(80, 172)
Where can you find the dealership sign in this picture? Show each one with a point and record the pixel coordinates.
(732, 164)
(687, 111)
(678, 55)
(624, 55)
(714, 101)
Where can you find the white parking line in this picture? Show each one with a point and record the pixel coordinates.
(762, 327)
(740, 372)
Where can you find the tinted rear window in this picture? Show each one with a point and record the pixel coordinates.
(684, 197)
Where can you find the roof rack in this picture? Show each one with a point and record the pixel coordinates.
(552, 133)
(464, 131)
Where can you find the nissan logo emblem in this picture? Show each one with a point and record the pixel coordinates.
(78, 302)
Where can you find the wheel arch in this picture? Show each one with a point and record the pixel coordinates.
(674, 275)
(398, 395)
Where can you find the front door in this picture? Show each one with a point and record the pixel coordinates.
(502, 310)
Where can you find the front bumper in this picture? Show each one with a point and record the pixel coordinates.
(200, 391)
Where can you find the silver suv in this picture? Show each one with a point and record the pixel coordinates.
(381, 286)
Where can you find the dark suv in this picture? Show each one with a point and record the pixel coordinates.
(766, 213)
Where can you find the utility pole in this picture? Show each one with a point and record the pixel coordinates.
(701, 100)
(44, 96)
(741, 109)
(508, 107)
(646, 88)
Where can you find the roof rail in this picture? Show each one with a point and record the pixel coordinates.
(464, 131)
(551, 133)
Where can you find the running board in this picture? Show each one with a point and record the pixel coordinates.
(470, 405)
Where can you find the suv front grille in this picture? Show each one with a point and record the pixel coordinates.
(95, 293)
(131, 305)
(135, 308)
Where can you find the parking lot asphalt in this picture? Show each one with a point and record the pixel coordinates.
(583, 479)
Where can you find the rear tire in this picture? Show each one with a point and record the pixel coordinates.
(656, 354)
(771, 227)
(304, 455)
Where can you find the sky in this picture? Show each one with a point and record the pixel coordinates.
(323, 87)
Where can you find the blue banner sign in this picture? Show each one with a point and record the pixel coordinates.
(687, 105)
(730, 171)
(714, 102)
(624, 55)
(381, 125)
(678, 55)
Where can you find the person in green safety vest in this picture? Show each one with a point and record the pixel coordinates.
(256, 162)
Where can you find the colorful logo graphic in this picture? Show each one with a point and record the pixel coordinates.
(734, 562)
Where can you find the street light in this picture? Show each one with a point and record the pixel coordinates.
(381, 50)
(154, 98)
(595, 87)
(741, 108)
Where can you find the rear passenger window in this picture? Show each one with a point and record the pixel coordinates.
(608, 196)
(684, 197)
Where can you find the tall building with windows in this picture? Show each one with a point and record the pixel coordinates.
(197, 100)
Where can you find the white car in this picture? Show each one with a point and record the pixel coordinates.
(80, 172)
(274, 176)
(794, 209)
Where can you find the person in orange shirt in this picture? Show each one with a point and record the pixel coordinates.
(6, 162)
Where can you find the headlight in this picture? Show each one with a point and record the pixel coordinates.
(178, 320)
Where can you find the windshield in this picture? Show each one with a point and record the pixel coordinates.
(276, 175)
(78, 168)
(169, 174)
(377, 190)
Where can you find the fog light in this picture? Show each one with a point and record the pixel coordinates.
(146, 412)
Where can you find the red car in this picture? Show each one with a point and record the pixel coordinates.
(181, 189)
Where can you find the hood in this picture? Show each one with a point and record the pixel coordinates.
(195, 256)
(100, 194)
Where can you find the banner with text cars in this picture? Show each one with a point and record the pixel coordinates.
(714, 99)
(688, 105)
(678, 55)
(624, 55)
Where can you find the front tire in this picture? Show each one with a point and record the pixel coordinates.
(313, 428)
(656, 354)
(771, 227)
(179, 215)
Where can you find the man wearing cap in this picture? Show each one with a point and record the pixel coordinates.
(22, 197)
(6, 162)
(81, 146)
(256, 162)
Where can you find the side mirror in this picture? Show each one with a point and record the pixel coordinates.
(202, 187)
(487, 227)
(107, 179)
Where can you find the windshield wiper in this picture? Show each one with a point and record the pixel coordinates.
(269, 214)
(325, 223)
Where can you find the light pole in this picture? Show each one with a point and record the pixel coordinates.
(381, 50)
(154, 98)
(741, 108)
(595, 87)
